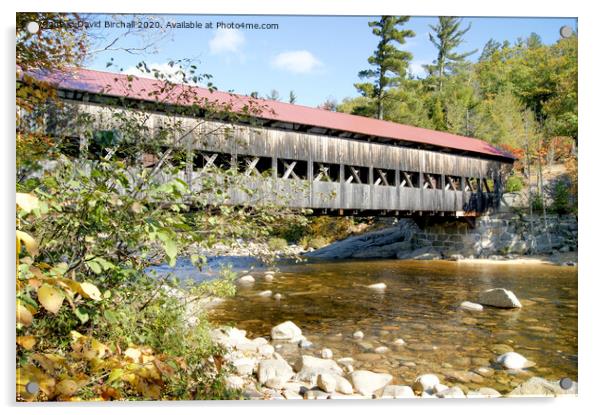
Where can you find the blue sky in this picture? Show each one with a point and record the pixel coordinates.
(318, 57)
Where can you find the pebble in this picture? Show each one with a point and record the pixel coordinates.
(358, 335)
(266, 293)
(326, 353)
(268, 277)
(467, 305)
(379, 286)
(247, 279)
(381, 349)
(277, 296)
(399, 342)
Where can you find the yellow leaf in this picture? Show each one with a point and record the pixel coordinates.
(27, 342)
(116, 374)
(27, 202)
(51, 298)
(30, 243)
(90, 291)
(133, 354)
(67, 387)
(24, 316)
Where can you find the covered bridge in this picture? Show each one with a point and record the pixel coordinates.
(333, 163)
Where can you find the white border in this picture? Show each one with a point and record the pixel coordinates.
(590, 37)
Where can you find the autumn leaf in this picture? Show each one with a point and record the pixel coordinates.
(27, 202)
(24, 316)
(27, 342)
(51, 298)
(30, 243)
(67, 387)
(90, 291)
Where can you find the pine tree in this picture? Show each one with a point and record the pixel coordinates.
(447, 37)
(292, 98)
(390, 64)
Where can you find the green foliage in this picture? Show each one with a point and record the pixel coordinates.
(561, 197)
(390, 64)
(514, 183)
(277, 244)
(446, 38)
(315, 242)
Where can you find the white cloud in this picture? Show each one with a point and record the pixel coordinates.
(173, 73)
(417, 69)
(226, 41)
(297, 61)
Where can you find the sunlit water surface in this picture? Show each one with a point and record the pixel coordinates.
(330, 301)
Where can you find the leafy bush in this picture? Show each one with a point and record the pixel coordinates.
(277, 244)
(514, 184)
(317, 242)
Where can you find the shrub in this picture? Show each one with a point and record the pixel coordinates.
(561, 197)
(277, 244)
(514, 184)
(316, 243)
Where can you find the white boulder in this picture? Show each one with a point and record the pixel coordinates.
(327, 382)
(397, 392)
(278, 371)
(499, 297)
(286, 331)
(366, 382)
(513, 360)
(247, 279)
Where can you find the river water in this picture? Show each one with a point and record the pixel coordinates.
(329, 301)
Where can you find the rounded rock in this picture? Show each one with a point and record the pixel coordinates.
(513, 360)
(358, 335)
(426, 383)
(247, 279)
(326, 353)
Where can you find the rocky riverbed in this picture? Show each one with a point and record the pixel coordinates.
(288, 366)
(473, 326)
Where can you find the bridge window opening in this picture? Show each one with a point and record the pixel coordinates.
(384, 177)
(357, 174)
(292, 169)
(205, 161)
(255, 166)
(408, 179)
(472, 184)
(452, 183)
(431, 181)
(488, 185)
(326, 172)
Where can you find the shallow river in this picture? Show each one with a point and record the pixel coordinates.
(330, 301)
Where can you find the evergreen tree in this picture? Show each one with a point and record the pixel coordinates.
(292, 98)
(273, 95)
(390, 64)
(447, 38)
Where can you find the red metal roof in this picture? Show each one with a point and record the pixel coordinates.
(113, 84)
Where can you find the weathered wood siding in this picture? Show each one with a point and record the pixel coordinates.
(198, 135)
